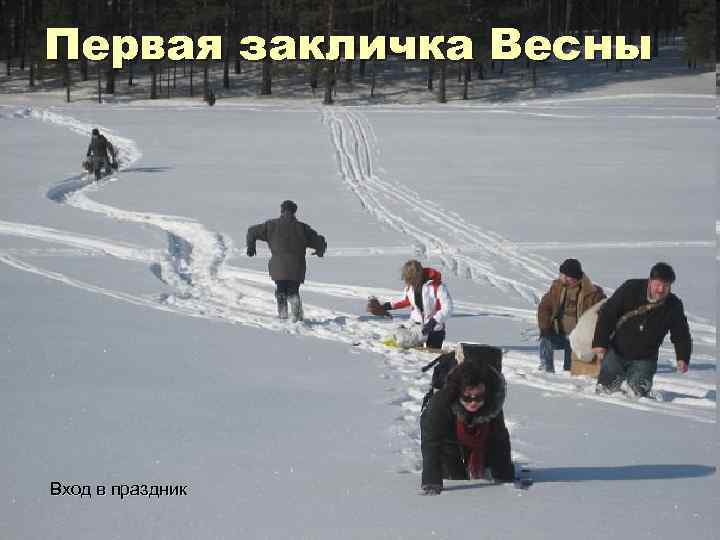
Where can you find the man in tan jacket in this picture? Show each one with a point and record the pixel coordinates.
(568, 298)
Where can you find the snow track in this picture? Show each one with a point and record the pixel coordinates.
(403, 210)
(483, 253)
(199, 282)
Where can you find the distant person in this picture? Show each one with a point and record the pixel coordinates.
(570, 295)
(462, 430)
(99, 153)
(288, 239)
(632, 326)
(428, 299)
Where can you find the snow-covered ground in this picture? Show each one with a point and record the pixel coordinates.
(140, 344)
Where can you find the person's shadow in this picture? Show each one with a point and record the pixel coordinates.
(625, 472)
(589, 474)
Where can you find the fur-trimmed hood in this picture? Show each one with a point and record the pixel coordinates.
(493, 403)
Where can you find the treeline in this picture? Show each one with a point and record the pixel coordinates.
(23, 24)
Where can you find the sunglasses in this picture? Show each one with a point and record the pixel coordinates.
(472, 399)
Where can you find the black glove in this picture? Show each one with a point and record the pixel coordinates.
(429, 326)
(323, 247)
(251, 251)
(431, 489)
(387, 306)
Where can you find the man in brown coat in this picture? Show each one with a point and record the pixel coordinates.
(288, 239)
(568, 298)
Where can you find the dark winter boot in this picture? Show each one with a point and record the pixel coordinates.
(282, 305)
(296, 310)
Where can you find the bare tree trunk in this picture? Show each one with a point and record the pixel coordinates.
(549, 19)
(373, 67)
(83, 14)
(114, 15)
(99, 82)
(206, 75)
(30, 41)
(466, 81)
(618, 63)
(17, 33)
(314, 75)
(8, 44)
(330, 67)
(131, 30)
(153, 64)
(430, 74)
(266, 85)
(84, 10)
(226, 60)
(206, 79)
(23, 49)
(442, 97)
(236, 34)
(6, 29)
(153, 81)
(36, 19)
(568, 15)
(534, 74)
(192, 69)
(67, 77)
(655, 25)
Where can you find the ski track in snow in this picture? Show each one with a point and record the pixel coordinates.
(202, 284)
(379, 251)
(405, 211)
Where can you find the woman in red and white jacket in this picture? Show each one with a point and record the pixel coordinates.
(429, 300)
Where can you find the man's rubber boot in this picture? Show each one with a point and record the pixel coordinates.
(282, 305)
(296, 310)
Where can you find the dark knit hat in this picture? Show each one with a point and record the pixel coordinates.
(571, 268)
(663, 271)
(288, 206)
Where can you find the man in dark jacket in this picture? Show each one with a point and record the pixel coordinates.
(99, 152)
(632, 326)
(559, 310)
(463, 431)
(288, 238)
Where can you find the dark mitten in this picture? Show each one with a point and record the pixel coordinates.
(429, 326)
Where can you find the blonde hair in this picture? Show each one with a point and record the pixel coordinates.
(412, 272)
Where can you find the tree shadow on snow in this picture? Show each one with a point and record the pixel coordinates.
(627, 472)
